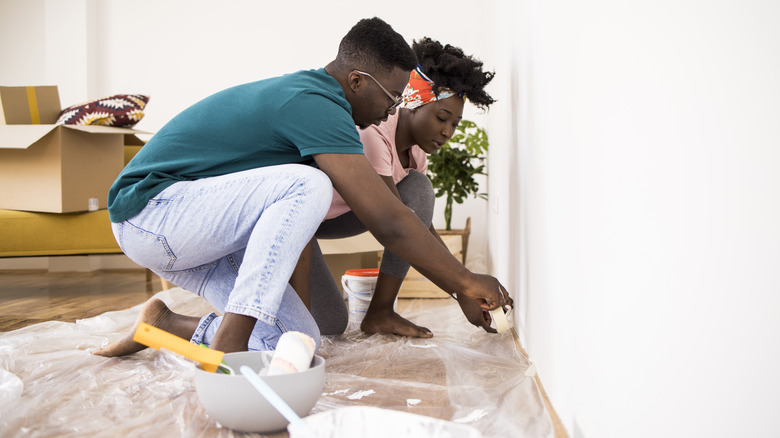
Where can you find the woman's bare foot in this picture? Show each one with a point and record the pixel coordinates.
(154, 312)
(391, 322)
(233, 333)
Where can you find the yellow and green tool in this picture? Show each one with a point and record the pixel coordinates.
(210, 360)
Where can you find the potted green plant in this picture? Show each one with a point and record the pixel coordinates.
(452, 172)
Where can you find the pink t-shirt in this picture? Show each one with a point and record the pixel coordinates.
(379, 147)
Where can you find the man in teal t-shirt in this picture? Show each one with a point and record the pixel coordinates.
(224, 199)
(245, 127)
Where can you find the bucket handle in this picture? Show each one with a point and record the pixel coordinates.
(344, 285)
(346, 289)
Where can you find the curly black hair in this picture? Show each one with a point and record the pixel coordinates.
(374, 46)
(448, 67)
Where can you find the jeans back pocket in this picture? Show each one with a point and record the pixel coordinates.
(146, 248)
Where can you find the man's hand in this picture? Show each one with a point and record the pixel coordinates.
(487, 292)
(484, 294)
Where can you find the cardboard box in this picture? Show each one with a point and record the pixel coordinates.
(54, 168)
(29, 105)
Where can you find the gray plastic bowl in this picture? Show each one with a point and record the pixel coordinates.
(236, 404)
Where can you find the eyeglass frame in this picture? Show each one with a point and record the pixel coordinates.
(397, 101)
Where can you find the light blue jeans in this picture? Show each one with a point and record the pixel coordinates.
(235, 240)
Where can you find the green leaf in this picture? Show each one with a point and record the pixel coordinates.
(452, 169)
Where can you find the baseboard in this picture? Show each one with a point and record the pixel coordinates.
(86, 263)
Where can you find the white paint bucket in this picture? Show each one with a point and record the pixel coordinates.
(358, 285)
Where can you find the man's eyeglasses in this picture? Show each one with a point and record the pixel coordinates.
(397, 100)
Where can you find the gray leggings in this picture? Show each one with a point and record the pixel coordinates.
(327, 303)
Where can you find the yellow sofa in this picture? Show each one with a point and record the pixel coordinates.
(27, 234)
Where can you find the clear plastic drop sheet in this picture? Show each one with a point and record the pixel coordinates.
(50, 384)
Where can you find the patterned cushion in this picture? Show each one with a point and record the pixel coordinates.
(123, 110)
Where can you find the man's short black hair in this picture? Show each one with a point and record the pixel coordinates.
(372, 45)
(448, 67)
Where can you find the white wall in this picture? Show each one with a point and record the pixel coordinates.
(50, 42)
(22, 44)
(179, 51)
(648, 148)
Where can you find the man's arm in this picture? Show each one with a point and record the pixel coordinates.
(398, 229)
(388, 180)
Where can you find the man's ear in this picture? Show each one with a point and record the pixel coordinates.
(355, 81)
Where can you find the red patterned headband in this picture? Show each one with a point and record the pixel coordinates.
(419, 90)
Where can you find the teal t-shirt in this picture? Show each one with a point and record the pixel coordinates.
(281, 120)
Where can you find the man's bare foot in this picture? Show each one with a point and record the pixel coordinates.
(393, 323)
(154, 312)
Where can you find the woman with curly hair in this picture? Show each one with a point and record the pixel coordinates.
(432, 108)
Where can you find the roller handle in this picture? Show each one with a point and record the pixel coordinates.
(156, 338)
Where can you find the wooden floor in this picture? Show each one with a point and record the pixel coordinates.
(30, 297)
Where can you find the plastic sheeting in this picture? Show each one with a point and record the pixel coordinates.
(50, 384)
